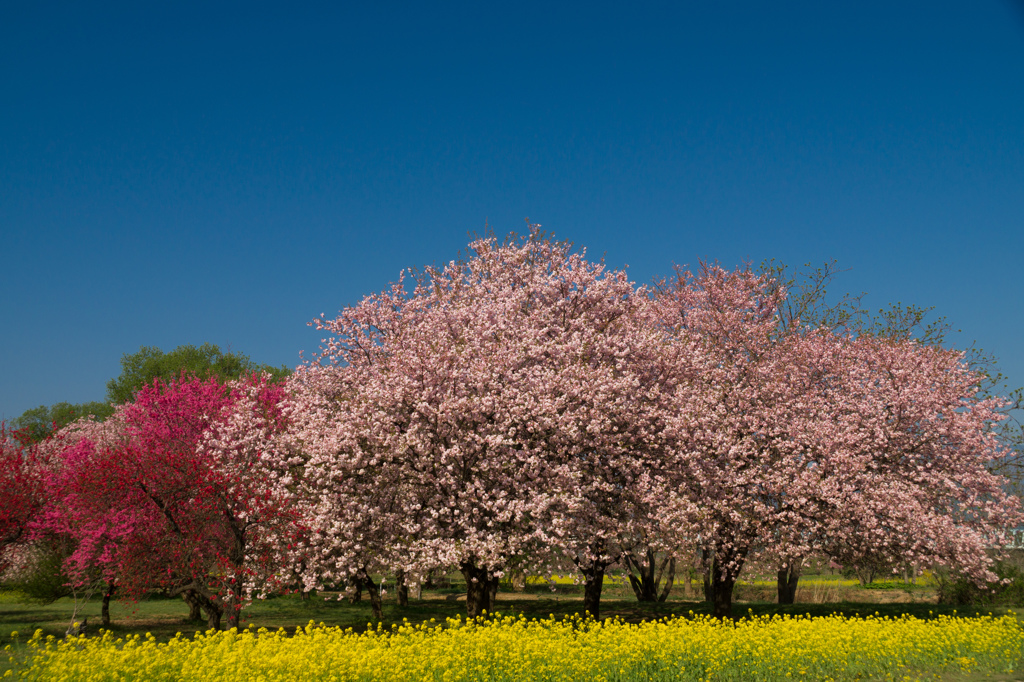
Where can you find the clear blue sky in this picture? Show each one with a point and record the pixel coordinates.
(175, 173)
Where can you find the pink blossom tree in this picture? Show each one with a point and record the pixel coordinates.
(917, 439)
(500, 411)
(779, 435)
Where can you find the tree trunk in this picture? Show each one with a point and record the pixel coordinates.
(192, 599)
(363, 580)
(375, 603)
(719, 583)
(718, 592)
(722, 597)
(105, 610)
(357, 595)
(786, 582)
(593, 581)
(479, 592)
(645, 575)
(402, 588)
(492, 592)
(213, 614)
(669, 579)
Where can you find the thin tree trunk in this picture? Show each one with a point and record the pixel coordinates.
(669, 579)
(105, 610)
(364, 581)
(787, 582)
(375, 603)
(645, 575)
(357, 595)
(641, 577)
(492, 592)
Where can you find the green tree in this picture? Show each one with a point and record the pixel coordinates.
(141, 368)
(38, 423)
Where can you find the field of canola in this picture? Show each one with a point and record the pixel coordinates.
(508, 648)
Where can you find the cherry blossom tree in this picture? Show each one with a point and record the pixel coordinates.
(498, 411)
(256, 511)
(593, 410)
(917, 438)
(780, 444)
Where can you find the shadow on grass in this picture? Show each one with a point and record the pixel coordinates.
(166, 617)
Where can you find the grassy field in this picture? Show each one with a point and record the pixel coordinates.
(165, 617)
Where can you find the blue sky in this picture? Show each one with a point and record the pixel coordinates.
(174, 173)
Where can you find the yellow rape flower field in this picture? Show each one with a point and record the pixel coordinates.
(510, 648)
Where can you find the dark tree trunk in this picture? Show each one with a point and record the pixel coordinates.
(191, 598)
(357, 595)
(213, 615)
(645, 575)
(105, 609)
(719, 583)
(211, 608)
(492, 592)
(669, 579)
(402, 588)
(480, 590)
(787, 582)
(720, 588)
(364, 581)
(375, 604)
(593, 581)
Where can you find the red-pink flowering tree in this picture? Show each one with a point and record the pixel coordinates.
(21, 480)
(172, 492)
(84, 511)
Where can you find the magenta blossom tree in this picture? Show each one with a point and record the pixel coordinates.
(173, 492)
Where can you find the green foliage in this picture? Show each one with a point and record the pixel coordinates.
(958, 590)
(42, 579)
(38, 423)
(141, 368)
